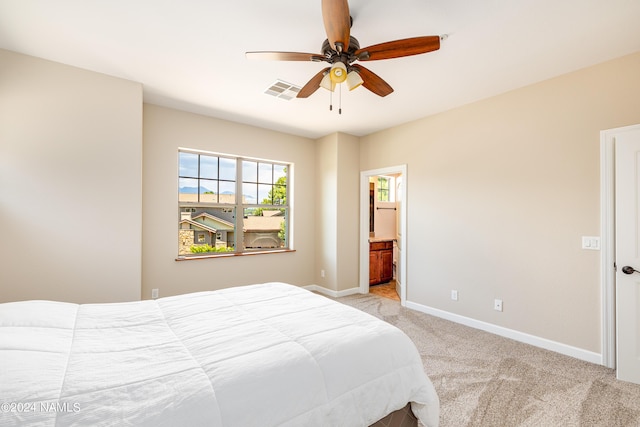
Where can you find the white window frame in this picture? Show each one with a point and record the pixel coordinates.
(239, 206)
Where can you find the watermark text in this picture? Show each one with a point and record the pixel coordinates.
(52, 406)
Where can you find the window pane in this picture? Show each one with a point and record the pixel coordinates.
(265, 173)
(279, 195)
(383, 189)
(206, 231)
(249, 193)
(280, 171)
(264, 231)
(188, 190)
(208, 167)
(208, 191)
(227, 169)
(383, 183)
(227, 192)
(188, 165)
(249, 171)
(265, 194)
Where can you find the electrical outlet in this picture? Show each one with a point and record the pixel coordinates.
(454, 295)
(154, 293)
(497, 305)
(321, 273)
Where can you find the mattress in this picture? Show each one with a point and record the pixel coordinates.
(271, 354)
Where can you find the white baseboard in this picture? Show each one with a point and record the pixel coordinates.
(567, 350)
(331, 292)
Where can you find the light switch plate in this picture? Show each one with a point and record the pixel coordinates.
(591, 243)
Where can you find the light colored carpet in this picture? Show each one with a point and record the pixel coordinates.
(487, 380)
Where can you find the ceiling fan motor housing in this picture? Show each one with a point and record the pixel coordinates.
(345, 57)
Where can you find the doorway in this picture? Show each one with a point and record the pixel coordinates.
(619, 154)
(365, 216)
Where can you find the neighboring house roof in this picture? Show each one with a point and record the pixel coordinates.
(269, 223)
(262, 223)
(198, 225)
(222, 224)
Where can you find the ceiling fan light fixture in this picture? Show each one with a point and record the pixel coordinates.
(338, 72)
(327, 83)
(354, 80)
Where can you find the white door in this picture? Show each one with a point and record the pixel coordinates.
(627, 182)
(399, 278)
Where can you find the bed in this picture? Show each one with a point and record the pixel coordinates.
(271, 354)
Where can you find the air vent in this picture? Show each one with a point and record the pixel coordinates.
(283, 90)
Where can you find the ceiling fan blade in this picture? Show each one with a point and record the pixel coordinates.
(284, 56)
(337, 22)
(372, 81)
(399, 48)
(312, 85)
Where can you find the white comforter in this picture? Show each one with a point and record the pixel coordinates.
(260, 355)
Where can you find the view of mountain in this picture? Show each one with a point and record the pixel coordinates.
(202, 190)
(192, 190)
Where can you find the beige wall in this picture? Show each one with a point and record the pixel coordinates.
(337, 185)
(70, 183)
(348, 212)
(327, 213)
(500, 193)
(166, 130)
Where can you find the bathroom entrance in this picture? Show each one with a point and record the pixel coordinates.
(382, 232)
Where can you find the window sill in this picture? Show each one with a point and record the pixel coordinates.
(229, 255)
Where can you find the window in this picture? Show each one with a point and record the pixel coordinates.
(386, 187)
(231, 204)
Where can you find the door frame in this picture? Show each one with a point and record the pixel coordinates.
(608, 233)
(364, 227)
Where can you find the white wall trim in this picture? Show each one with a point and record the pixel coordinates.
(544, 343)
(331, 292)
(567, 350)
(607, 247)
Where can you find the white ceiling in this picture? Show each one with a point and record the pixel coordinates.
(189, 54)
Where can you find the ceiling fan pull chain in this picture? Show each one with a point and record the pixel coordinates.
(340, 100)
(330, 101)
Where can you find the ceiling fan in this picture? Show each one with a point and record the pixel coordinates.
(341, 50)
